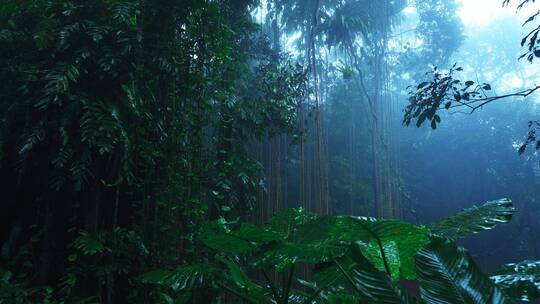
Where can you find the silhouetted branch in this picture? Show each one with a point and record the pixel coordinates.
(479, 103)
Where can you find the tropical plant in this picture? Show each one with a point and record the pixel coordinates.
(354, 260)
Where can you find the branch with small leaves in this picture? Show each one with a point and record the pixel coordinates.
(444, 91)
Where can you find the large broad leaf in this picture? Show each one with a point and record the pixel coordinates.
(371, 284)
(217, 237)
(399, 240)
(306, 241)
(324, 239)
(520, 281)
(280, 256)
(475, 219)
(448, 275)
(255, 234)
(242, 240)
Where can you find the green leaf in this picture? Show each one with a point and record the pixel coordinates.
(370, 284)
(373, 284)
(287, 221)
(520, 281)
(280, 256)
(400, 241)
(315, 229)
(447, 274)
(237, 275)
(475, 219)
(215, 236)
(315, 240)
(156, 276)
(252, 233)
(247, 287)
(342, 298)
(185, 277)
(194, 275)
(88, 244)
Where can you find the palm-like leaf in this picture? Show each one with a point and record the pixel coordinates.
(343, 298)
(520, 281)
(88, 244)
(186, 277)
(448, 275)
(475, 219)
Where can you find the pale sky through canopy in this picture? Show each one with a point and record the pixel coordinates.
(489, 16)
(480, 13)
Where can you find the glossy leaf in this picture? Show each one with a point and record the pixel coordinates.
(521, 281)
(372, 284)
(475, 219)
(399, 239)
(184, 278)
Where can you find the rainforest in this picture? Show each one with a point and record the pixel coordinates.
(269, 151)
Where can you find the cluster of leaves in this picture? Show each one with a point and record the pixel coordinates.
(354, 260)
(442, 90)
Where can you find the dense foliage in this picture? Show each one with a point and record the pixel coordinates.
(130, 114)
(199, 151)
